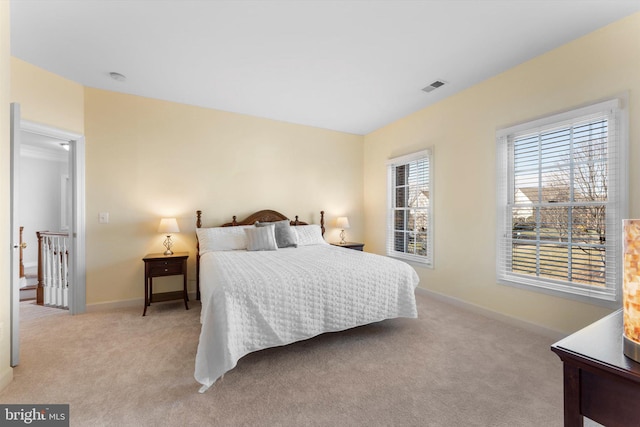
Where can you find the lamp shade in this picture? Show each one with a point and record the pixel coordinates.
(168, 225)
(342, 222)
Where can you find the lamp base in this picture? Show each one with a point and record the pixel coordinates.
(631, 349)
(342, 241)
(167, 244)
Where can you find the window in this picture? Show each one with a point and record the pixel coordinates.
(562, 190)
(410, 219)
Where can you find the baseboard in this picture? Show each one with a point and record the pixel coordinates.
(115, 305)
(6, 377)
(514, 321)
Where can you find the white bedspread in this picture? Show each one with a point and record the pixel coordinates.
(256, 300)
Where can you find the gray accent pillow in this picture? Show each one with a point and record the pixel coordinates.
(261, 239)
(285, 237)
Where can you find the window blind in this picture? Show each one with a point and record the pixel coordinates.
(410, 218)
(561, 198)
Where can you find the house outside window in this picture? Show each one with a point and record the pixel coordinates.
(562, 195)
(410, 207)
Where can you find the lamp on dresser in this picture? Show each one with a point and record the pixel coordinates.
(168, 226)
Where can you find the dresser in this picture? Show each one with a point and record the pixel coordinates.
(600, 382)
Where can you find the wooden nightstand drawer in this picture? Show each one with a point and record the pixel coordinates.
(166, 268)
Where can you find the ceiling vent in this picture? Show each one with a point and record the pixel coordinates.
(433, 86)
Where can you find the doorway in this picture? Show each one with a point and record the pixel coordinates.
(43, 203)
(69, 146)
(71, 216)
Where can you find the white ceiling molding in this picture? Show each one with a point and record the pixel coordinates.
(48, 131)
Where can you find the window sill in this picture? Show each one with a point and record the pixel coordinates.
(412, 260)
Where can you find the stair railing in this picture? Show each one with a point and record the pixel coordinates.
(52, 288)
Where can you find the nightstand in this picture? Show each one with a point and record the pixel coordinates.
(159, 265)
(350, 245)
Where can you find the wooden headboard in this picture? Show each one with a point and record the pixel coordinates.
(265, 215)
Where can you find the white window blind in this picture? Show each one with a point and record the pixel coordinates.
(562, 185)
(410, 218)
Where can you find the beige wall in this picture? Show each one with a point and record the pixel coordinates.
(6, 373)
(146, 159)
(47, 98)
(462, 128)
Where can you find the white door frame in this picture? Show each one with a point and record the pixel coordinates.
(76, 212)
(14, 240)
(77, 267)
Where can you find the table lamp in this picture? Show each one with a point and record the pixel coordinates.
(342, 222)
(631, 288)
(168, 226)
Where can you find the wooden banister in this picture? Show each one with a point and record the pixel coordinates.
(40, 283)
(53, 233)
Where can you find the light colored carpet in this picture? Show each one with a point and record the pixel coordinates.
(447, 368)
(30, 311)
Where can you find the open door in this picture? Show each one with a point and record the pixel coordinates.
(15, 234)
(76, 218)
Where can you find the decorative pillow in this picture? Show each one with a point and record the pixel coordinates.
(261, 238)
(309, 235)
(222, 238)
(285, 237)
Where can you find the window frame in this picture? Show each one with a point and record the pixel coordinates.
(616, 204)
(423, 260)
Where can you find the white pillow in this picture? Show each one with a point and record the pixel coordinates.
(309, 235)
(261, 238)
(222, 238)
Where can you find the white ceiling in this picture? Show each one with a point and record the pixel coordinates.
(351, 66)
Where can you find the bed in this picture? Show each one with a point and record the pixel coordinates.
(255, 296)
